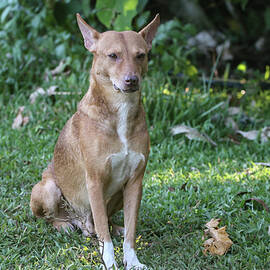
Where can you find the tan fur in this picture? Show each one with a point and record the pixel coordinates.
(101, 154)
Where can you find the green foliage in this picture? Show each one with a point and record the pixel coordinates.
(169, 48)
(31, 40)
(267, 18)
(243, 3)
(116, 14)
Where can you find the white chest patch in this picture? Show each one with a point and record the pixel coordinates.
(125, 162)
(123, 167)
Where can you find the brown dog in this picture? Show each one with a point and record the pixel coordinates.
(101, 154)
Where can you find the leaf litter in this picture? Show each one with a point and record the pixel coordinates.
(41, 92)
(51, 91)
(219, 241)
(192, 134)
(254, 134)
(20, 120)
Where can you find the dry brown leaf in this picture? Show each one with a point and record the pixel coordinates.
(59, 69)
(265, 135)
(192, 134)
(41, 92)
(253, 134)
(213, 223)
(219, 241)
(20, 120)
(25, 120)
(17, 122)
(250, 135)
(181, 129)
(51, 90)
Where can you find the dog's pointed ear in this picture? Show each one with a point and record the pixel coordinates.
(90, 35)
(149, 31)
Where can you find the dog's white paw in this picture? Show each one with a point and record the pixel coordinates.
(130, 259)
(138, 266)
(110, 264)
(108, 256)
(113, 267)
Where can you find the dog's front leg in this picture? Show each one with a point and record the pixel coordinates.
(99, 211)
(132, 200)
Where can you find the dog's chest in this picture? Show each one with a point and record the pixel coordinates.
(123, 166)
(124, 163)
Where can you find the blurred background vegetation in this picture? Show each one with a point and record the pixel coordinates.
(36, 35)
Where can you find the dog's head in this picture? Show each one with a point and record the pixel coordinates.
(120, 58)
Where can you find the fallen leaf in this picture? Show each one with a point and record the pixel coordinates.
(39, 92)
(20, 120)
(59, 69)
(253, 134)
(180, 129)
(219, 241)
(25, 120)
(17, 122)
(250, 135)
(213, 223)
(192, 134)
(265, 135)
(51, 90)
(203, 40)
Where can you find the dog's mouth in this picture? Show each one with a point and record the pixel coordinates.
(127, 90)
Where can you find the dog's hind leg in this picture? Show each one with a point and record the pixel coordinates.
(46, 202)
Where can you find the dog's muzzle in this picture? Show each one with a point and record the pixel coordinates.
(130, 84)
(126, 90)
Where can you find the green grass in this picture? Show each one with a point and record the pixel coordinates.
(172, 217)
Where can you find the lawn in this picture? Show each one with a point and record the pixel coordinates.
(187, 182)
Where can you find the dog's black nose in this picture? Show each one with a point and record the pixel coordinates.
(131, 80)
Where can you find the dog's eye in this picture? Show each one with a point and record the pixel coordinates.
(113, 56)
(140, 56)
